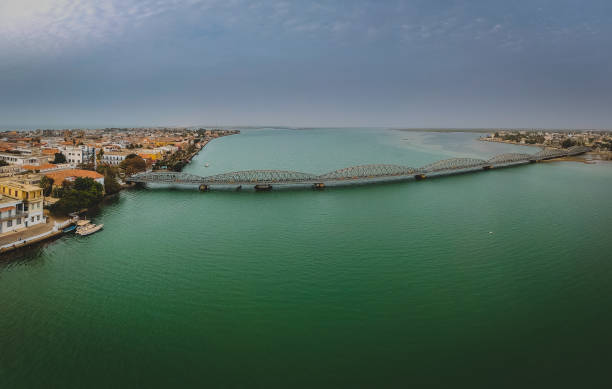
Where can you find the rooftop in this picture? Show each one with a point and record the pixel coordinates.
(61, 175)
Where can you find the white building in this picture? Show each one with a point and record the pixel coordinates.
(114, 157)
(76, 155)
(20, 159)
(10, 217)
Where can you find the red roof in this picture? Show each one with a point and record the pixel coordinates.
(44, 166)
(61, 175)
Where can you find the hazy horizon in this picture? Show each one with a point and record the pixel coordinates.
(400, 64)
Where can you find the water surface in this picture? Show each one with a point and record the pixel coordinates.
(496, 279)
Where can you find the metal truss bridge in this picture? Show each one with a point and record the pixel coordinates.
(363, 174)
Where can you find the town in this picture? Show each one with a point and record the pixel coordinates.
(600, 142)
(47, 176)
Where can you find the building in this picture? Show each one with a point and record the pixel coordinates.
(50, 153)
(21, 159)
(149, 154)
(59, 176)
(76, 155)
(10, 217)
(30, 206)
(114, 157)
(46, 167)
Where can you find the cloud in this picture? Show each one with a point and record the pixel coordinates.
(50, 25)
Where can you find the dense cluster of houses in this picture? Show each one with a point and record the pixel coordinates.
(65, 155)
(597, 140)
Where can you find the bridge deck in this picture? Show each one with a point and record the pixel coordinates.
(354, 175)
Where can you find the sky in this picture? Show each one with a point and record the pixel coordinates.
(382, 63)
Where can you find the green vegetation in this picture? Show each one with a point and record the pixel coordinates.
(82, 193)
(177, 161)
(531, 138)
(133, 146)
(133, 164)
(3, 163)
(567, 143)
(111, 186)
(59, 158)
(46, 184)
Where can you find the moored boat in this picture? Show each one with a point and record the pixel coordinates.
(89, 229)
(69, 229)
(82, 223)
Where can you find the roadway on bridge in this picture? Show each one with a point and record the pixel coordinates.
(362, 174)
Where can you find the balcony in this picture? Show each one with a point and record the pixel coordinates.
(14, 216)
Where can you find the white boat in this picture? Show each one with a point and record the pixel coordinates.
(89, 229)
(82, 223)
(206, 164)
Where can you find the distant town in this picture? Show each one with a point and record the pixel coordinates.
(48, 176)
(598, 141)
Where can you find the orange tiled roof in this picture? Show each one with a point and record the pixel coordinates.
(7, 209)
(44, 166)
(61, 175)
(50, 151)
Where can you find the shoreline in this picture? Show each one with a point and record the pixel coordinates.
(511, 142)
(590, 157)
(54, 231)
(59, 222)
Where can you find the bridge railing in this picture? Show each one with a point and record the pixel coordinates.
(359, 172)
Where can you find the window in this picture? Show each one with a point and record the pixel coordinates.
(9, 223)
(38, 218)
(18, 221)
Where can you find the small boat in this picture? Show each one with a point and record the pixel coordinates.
(82, 223)
(69, 229)
(206, 164)
(89, 229)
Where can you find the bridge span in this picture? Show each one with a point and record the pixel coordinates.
(263, 180)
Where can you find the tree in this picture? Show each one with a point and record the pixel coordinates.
(83, 193)
(46, 184)
(178, 166)
(3, 163)
(133, 164)
(83, 183)
(59, 158)
(111, 186)
(567, 143)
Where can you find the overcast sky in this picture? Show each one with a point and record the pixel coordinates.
(401, 63)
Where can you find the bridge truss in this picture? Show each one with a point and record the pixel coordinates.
(355, 173)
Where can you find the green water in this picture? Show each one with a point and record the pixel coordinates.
(395, 285)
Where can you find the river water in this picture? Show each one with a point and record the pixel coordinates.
(496, 279)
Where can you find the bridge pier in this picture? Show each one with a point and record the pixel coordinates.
(262, 180)
(263, 187)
